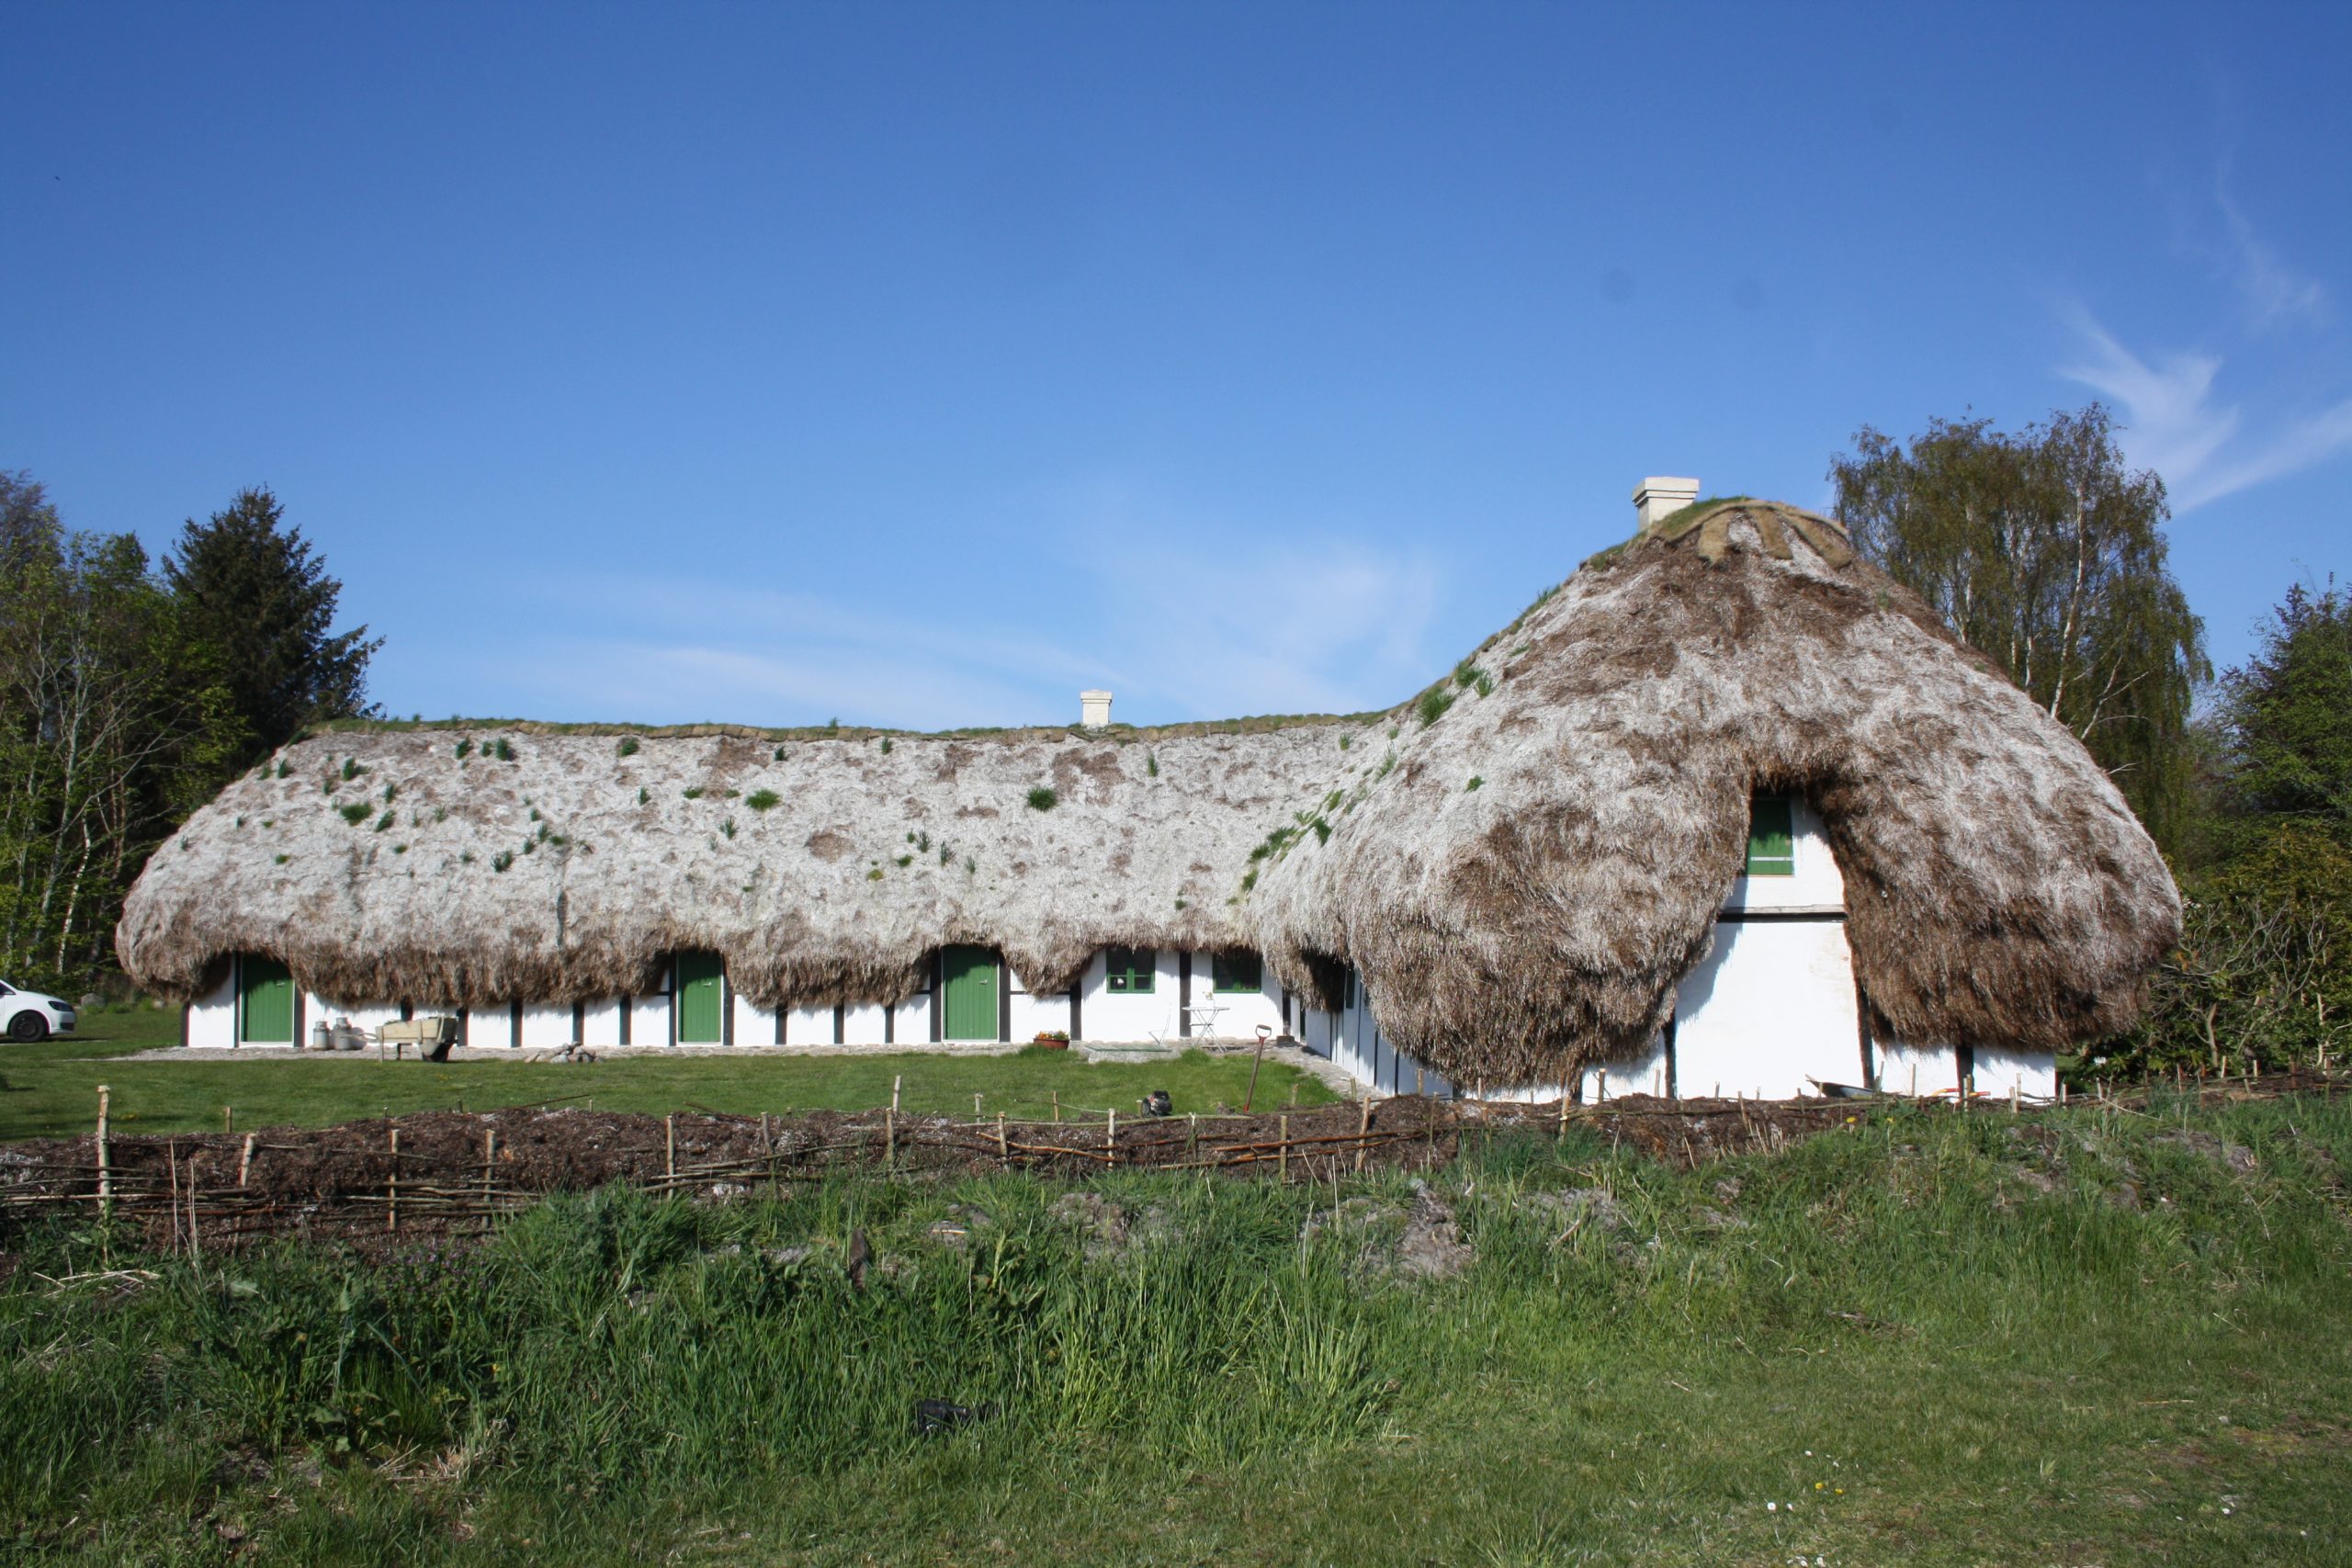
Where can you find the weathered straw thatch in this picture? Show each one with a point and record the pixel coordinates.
(1521, 878)
(571, 871)
(1998, 889)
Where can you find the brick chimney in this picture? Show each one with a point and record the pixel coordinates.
(1658, 498)
(1093, 709)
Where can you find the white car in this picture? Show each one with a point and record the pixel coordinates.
(30, 1015)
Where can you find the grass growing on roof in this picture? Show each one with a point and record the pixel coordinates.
(1882, 1345)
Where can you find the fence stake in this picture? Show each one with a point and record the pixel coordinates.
(1111, 1134)
(1282, 1150)
(246, 1158)
(976, 1108)
(1604, 1087)
(670, 1148)
(228, 1119)
(890, 1134)
(489, 1162)
(895, 1082)
(106, 1177)
(1564, 1113)
(195, 1244)
(1193, 1134)
(172, 1165)
(392, 1192)
(1001, 1151)
(1363, 1125)
(1058, 1107)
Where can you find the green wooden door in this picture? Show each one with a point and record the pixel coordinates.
(970, 974)
(265, 1002)
(700, 998)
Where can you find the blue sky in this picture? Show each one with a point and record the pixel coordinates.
(921, 365)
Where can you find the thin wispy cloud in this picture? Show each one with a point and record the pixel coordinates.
(1166, 621)
(2272, 292)
(2175, 424)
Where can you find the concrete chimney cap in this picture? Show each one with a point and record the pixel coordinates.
(1660, 496)
(1093, 709)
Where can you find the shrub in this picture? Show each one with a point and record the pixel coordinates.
(1474, 782)
(1151, 763)
(502, 860)
(465, 748)
(1043, 799)
(351, 769)
(358, 811)
(628, 747)
(505, 749)
(1432, 704)
(694, 791)
(764, 800)
(885, 746)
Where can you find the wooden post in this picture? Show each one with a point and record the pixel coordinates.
(2016, 1098)
(172, 1168)
(1604, 1087)
(1363, 1125)
(1058, 1107)
(1564, 1113)
(670, 1148)
(246, 1158)
(228, 1121)
(1002, 1150)
(891, 1136)
(896, 1080)
(1193, 1134)
(1111, 1135)
(392, 1208)
(489, 1163)
(976, 1108)
(195, 1244)
(106, 1176)
(1282, 1149)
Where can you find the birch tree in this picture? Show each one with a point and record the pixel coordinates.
(2047, 552)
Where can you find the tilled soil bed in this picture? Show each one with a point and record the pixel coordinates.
(443, 1171)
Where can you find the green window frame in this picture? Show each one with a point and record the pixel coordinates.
(1237, 972)
(1130, 971)
(1772, 836)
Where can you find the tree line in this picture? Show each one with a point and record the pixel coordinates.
(130, 691)
(2046, 551)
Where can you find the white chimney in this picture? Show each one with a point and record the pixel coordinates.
(1658, 498)
(1093, 709)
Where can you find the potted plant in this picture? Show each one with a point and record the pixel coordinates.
(1053, 1039)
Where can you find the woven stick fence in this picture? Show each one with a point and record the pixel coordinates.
(218, 1190)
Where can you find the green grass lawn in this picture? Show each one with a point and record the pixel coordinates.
(51, 1088)
(1933, 1340)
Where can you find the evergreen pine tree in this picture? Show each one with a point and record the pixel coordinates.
(250, 588)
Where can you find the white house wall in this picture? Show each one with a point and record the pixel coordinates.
(1035, 1014)
(1916, 1069)
(2032, 1074)
(1768, 1011)
(212, 1017)
(600, 1023)
(808, 1026)
(1816, 883)
(1126, 1017)
(1237, 1013)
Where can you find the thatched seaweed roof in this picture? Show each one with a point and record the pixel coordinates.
(1521, 863)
